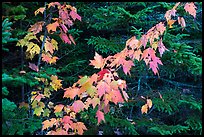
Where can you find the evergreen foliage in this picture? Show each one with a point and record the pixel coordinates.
(106, 26)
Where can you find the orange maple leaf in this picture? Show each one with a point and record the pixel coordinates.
(41, 10)
(98, 61)
(144, 108)
(80, 127)
(58, 108)
(71, 92)
(37, 27)
(48, 123)
(52, 26)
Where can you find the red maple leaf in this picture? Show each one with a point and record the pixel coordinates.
(101, 73)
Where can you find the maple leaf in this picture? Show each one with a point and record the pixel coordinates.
(98, 61)
(155, 45)
(144, 108)
(91, 91)
(80, 127)
(46, 112)
(58, 108)
(133, 42)
(37, 27)
(74, 15)
(38, 111)
(63, 14)
(52, 26)
(72, 39)
(48, 123)
(56, 83)
(101, 73)
(136, 54)
(77, 106)
(46, 57)
(33, 48)
(41, 10)
(191, 9)
(126, 65)
(149, 103)
(49, 47)
(116, 96)
(182, 22)
(170, 13)
(64, 28)
(154, 65)
(23, 104)
(65, 38)
(95, 101)
(100, 116)
(144, 40)
(67, 120)
(37, 97)
(53, 4)
(54, 43)
(102, 87)
(170, 23)
(71, 92)
(53, 60)
(161, 47)
(33, 67)
(161, 28)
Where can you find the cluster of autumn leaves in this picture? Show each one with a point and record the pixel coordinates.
(99, 89)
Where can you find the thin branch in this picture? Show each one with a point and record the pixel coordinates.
(179, 84)
(45, 35)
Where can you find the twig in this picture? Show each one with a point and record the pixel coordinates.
(45, 35)
(172, 82)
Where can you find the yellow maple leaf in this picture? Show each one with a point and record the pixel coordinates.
(58, 108)
(56, 83)
(38, 111)
(54, 43)
(33, 48)
(170, 23)
(144, 108)
(155, 45)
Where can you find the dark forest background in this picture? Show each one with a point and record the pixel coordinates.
(105, 27)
